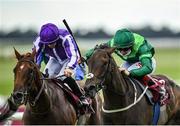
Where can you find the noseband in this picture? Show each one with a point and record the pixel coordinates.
(25, 94)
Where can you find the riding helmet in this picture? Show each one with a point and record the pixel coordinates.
(49, 33)
(123, 39)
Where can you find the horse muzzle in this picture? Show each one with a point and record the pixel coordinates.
(18, 98)
(90, 90)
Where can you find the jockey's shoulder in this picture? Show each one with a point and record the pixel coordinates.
(63, 32)
(146, 47)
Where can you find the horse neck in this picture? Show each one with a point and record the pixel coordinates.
(117, 82)
(117, 87)
(43, 102)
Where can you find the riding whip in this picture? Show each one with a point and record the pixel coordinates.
(69, 30)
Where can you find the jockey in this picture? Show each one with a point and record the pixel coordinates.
(137, 54)
(59, 51)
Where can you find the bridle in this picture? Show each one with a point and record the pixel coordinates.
(22, 97)
(100, 85)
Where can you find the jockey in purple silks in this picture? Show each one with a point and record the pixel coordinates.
(61, 50)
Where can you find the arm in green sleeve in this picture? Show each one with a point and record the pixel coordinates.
(89, 53)
(144, 70)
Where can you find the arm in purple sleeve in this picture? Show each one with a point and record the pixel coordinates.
(71, 51)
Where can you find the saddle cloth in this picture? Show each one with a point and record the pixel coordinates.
(153, 92)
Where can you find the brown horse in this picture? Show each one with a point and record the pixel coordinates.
(124, 100)
(45, 102)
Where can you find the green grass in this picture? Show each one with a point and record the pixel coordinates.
(168, 63)
(6, 75)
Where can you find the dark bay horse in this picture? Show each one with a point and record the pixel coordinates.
(45, 102)
(124, 101)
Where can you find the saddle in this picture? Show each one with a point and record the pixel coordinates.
(72, 98)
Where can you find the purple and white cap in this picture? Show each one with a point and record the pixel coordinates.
(49, 33)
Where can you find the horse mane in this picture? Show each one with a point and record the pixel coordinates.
(101, 46)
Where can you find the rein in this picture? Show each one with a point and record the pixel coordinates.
(131, 105)
(38, 95)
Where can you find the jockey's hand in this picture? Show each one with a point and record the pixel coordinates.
(124, 70)
(68, 72)
(79, 61)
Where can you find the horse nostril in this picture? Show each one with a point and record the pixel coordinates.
(89, 88)
(92, 87)
(85, 88)
(18, 95)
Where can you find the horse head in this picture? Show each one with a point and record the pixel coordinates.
(25, 74)
(100, 65)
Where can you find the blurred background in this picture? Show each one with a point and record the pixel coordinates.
(92, 22)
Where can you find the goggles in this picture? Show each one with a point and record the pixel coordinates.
(125, 51)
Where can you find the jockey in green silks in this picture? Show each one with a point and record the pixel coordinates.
(136, 52)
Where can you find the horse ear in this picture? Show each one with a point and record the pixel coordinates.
(110, 50)
(18, 55)
(33, 53)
